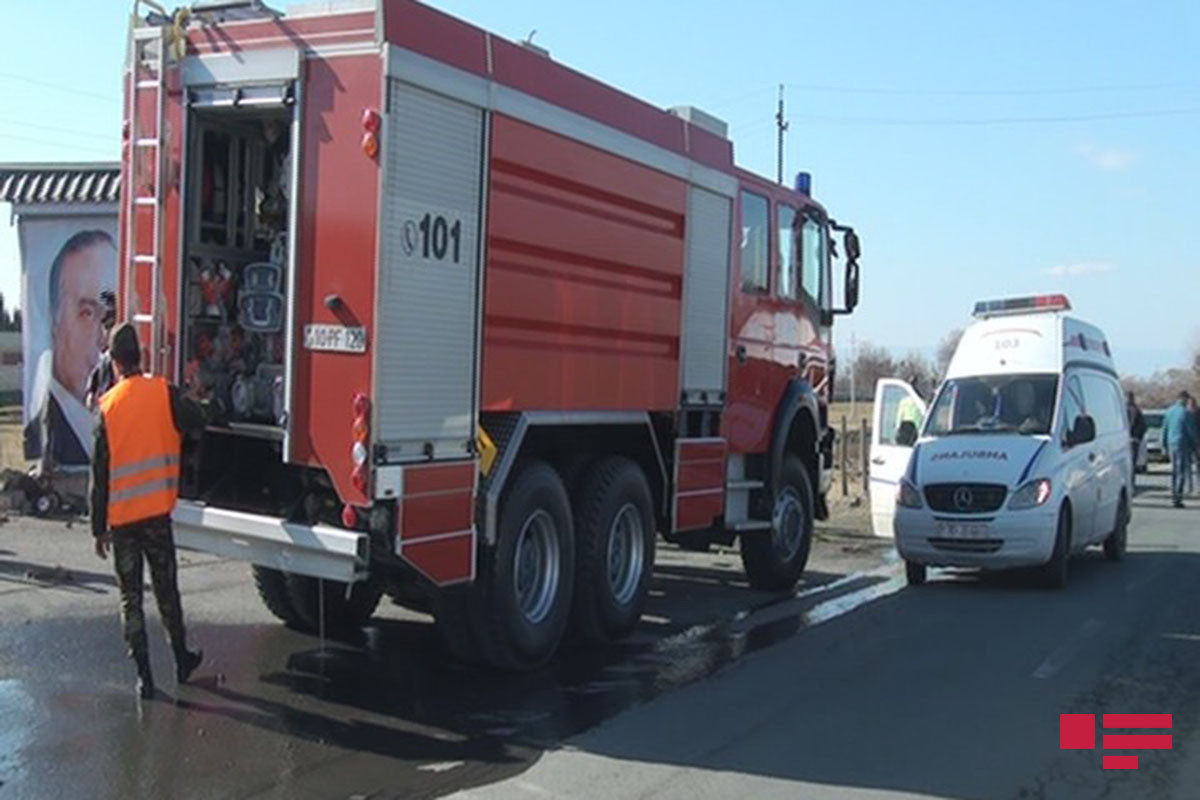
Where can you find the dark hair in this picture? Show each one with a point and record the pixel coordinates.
(1184, 395)
(124, 348)
(80, 241)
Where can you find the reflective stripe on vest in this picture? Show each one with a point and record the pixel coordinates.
(144, 449)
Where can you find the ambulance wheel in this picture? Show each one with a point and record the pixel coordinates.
(523, 599)
(915, 573)
(774, 560)
(272, 588)
(1114, 545)
(1054, 573)
(614, 537)
(342, 613)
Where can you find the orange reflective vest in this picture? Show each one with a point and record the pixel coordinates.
(143, 447)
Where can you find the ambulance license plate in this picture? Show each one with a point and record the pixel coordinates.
(962, 530)
(335, 338)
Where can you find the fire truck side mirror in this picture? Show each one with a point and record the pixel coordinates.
(853, 246)
(851, 285)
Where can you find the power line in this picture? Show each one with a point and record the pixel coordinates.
(72, 132)
(1032, 120)
(59, 87)
(1145, 87)
(111, 153)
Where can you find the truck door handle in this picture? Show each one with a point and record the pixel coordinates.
(878, 461)
(741, 353)
(1091, 456)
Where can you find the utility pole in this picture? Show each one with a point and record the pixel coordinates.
(853, 364)
(782, 127)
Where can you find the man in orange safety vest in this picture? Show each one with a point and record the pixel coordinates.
(135, 482)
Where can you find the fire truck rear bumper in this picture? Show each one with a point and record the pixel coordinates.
(321, 551)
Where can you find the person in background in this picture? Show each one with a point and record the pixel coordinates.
(1137, 432)
(135, 482)
(1190, 462)
(103, 377)
(1179, 436)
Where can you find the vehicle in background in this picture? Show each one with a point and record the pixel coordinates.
(1154, 450)
(1024, 457)
(474, 326)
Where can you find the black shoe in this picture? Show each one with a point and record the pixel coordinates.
(145, 679)
(186, 663)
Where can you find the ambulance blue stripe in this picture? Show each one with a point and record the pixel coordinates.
(1029, 466)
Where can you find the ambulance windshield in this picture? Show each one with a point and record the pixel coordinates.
(995, 404)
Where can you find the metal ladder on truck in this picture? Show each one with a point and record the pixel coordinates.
(144, 301)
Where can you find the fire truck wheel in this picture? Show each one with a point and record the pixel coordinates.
(614, 540)
(775, 559)
(272, 588)
(524, 597)
(342, 613)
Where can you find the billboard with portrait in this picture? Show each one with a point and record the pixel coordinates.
(69, 267)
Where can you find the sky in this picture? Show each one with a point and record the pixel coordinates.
(980, 149)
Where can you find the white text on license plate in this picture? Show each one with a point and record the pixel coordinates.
(335, 338)
(962, 530)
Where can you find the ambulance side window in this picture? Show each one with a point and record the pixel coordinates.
(1072, 403)
(755, 249)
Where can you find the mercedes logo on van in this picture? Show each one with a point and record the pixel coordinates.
(963, 498)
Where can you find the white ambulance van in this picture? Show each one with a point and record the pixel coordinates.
(1023, 458)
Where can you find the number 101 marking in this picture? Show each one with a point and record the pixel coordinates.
(437, 237)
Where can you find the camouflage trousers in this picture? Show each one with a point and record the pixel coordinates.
(153, 543)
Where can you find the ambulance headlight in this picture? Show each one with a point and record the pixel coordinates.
(1031, 495)
(908, 495)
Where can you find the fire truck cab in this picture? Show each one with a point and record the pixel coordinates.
(472, 328)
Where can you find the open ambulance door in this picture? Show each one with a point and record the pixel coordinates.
(899, 414)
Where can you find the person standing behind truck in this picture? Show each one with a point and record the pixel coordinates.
(1137, 432)
(1179, 439)
(135, 480)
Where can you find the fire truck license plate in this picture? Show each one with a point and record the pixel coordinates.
(335, 338)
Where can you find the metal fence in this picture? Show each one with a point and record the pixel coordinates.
(851, 456)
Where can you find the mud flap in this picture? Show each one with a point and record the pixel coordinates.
(435, 521)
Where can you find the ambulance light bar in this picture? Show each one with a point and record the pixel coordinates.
(1022, 305)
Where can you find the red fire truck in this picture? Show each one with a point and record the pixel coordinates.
(473, 328)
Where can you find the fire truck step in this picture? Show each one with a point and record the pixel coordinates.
(147, 142)
(146, 201)
(744, 486)
(752, 525)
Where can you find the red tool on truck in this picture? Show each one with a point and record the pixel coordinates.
(473, 327)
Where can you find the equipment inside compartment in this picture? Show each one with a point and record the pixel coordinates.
(235, 263)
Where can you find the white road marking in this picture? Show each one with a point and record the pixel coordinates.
(1067, 650)
(441, 766)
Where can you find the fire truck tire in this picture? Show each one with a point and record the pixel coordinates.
(614, 544)
(342, 613)
(272, 588)
(774, 560)
(523, 600)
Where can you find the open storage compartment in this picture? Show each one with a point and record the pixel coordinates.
(235, 264)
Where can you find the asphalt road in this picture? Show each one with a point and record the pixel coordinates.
(855, 686)
(278, 713)
(952, 690)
